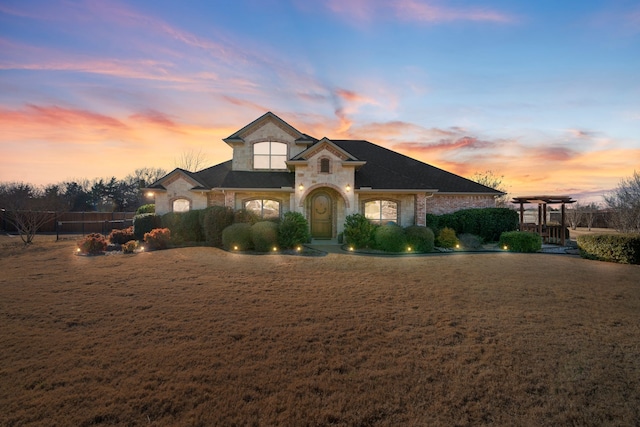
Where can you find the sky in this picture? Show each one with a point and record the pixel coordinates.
(544, 93)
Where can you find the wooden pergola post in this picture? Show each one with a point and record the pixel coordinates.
(542, 202)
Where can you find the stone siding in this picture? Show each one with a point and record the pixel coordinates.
(243, 153)
(179, 188)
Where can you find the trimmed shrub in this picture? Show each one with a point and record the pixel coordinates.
(243, 215)
(93, 244)
(420, 238)
(431, 221)
(214, 221)
(487, 223)
(390, 238)
(447, 238)
(264, 235)
(470, 241)
(620, 248)
(293, 230)
(358, 231)
(120, 237)
(157, 239)
(148, 208)
(521, 241)
(184, 226)
(129, 247)
(237, 237)
(144, 223)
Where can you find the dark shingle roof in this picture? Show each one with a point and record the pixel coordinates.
(387, 169)
(221, 176)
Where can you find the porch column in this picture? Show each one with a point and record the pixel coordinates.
(562, 216)
(230, 199)
(521, 215)
(540, 219)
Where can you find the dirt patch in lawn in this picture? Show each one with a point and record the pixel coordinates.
(199, 336)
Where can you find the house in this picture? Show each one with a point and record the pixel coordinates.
(276, 168)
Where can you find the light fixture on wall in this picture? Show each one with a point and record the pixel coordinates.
(348, 188)
(301, 187)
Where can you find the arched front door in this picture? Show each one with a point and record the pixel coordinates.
(321, 216)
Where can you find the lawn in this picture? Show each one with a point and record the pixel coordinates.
(199, 336)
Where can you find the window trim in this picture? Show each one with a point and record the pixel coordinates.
(270, 156)
(189, 203)
(320, 164)
(380, 220)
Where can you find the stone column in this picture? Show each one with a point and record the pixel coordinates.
(421, 209)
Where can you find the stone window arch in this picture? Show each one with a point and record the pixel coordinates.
(324, 165)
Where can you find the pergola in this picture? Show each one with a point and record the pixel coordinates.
(542, 201)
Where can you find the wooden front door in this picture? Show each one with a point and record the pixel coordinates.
(321, 216)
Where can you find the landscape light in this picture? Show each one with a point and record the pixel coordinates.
(235, 248)
(275, 249)
(409, 249)
(457, 246)
(505, 247)
(78, 249)
(298, 248)
(351, 248)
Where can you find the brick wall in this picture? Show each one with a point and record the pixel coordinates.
(441, 204)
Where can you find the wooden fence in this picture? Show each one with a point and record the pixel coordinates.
(77, 222)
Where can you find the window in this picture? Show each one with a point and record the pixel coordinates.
(266, 209)
(325, 166)
(181, 205)
(381, 211)
(269, 155)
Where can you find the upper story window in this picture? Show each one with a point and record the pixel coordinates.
(266, 209)
(269, 155)
(381, 211)
(181, 205)
(325, 165)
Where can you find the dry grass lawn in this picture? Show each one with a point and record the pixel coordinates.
(201, 337)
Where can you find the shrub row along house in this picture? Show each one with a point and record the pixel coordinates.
(276, 168)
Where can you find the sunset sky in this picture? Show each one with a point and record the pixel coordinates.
(546, 93)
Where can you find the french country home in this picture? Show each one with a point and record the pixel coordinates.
(276, 168)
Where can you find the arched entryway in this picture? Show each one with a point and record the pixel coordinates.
(321, 207)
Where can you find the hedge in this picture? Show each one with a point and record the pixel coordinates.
(521, 241)
(215, 220)
(487, 223)
(620, 248)
(420, 239)
(264, 235)
(237, 237)
(144, 223)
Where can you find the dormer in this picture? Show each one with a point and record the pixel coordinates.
(266, 144)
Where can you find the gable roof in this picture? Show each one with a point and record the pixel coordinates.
(389, 170)
(238, 136)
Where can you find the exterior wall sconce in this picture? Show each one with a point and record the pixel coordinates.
(301, 187)
(348, 188)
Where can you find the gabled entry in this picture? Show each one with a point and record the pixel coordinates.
(321, 215)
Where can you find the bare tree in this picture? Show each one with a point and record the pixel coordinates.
(191, 160)
(491, 180)
(590, 213)
(624, 203)
(24, 207)
(574, 215)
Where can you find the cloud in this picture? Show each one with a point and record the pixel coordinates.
(463, 143)
(154, 117)
(426, 12)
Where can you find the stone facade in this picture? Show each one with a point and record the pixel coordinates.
(270, 131)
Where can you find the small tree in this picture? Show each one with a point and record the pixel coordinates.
(24, 207)
(574, 215)
(624, 203)
(590, 214)
(191, 160)
(491, 180)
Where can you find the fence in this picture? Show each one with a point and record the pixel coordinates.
(76, 222)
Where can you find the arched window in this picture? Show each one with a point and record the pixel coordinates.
(263, 208)
(381, 211)
(181, 205)
(269, 155)
(325, 165)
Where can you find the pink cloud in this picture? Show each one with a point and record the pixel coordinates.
(466, 142)
(155, 118)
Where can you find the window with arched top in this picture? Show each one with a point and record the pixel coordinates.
(325, 165)
(181, 205)
(381, 211)
(263, 208)
(269, 155)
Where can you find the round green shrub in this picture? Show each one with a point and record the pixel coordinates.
(144, 223)
(148, 208)
(237, 237)
(293, 230)
(390, 238)
(264, 235)
(520, 241)
(419, 238)
(214, 221)
(243, 215)
(359, 231)
(447, 238)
